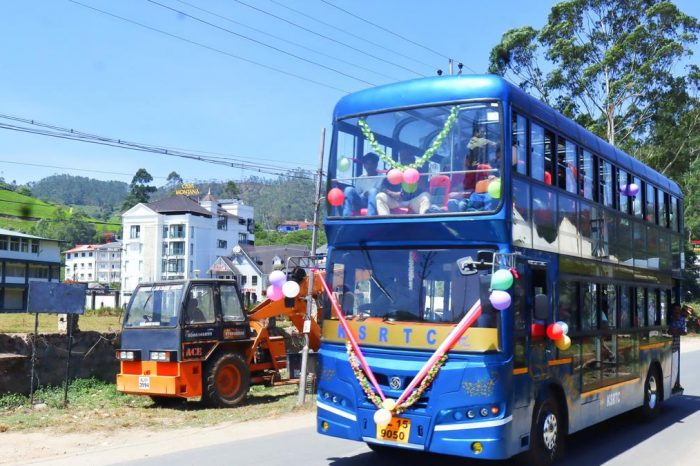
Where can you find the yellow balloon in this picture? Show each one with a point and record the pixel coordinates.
(563, 343)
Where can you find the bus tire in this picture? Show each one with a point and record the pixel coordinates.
(652, 394)
(547, 435)
(226, 382)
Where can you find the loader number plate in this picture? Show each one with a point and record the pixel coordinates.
(144, 383)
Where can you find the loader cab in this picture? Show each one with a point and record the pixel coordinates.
(183, 320)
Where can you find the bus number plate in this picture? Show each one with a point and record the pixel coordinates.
(396, 431)
(144, 383)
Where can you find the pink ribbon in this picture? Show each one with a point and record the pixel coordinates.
(351, 337)
(444, 347)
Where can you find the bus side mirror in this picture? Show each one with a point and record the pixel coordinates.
(541, 307)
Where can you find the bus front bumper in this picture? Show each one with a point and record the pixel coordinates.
(479, 439)
(178, 379)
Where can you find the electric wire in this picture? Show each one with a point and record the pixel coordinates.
(297, 44)
(439, 54)
(213, 49)
(73, 168)
(259, 42)
(364, 39)
(383, 60)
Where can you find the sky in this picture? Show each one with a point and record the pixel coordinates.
(246, 81)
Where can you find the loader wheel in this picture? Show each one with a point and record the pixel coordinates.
(227, 381)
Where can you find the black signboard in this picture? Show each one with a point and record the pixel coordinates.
(58, 298)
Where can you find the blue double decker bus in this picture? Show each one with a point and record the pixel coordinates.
(437, 184)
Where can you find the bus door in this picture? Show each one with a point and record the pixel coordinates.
(539, 296)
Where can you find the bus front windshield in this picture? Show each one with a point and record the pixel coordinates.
(431, 160)
(154, 306)
(407, 285)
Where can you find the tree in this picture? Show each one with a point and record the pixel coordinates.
(173, 181)
(611, 61)
(231, 190)
(73, 229)
(140, 190)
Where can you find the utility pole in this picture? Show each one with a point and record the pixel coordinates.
(309, 293)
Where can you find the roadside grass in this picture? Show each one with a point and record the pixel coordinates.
(103, 320)
(95, 405)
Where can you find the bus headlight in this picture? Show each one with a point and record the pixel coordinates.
(126, 355)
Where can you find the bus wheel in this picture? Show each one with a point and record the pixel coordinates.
(652, 395)
(547, 433)
(227, 381)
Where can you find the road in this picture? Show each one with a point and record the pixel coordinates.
(669, 440)
(292, 441)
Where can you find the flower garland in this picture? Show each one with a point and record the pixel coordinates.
(376, 400)
(369, 135)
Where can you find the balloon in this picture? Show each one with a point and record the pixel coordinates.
(411, 176)
(501, 280)
(563, 343)
(382, 417)
(500, 299)
(336, 197)
(277, 278)
(389, 404)
(632, 189)
(290, 289)
(554, 331)
(564, 327)
(409, 188)
(537, 330)
(344, 164)
(395, 176)
(494, 189)
(274, 293)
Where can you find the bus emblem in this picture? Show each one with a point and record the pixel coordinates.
(395, 383)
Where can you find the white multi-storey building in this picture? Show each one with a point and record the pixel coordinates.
(108, 262)
(80, 263)
(25, 258)
(177, 237)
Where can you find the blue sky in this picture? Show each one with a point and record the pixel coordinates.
(69, 66)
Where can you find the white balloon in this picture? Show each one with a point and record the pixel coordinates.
(290, 289)
(564, 327)
(382, 417)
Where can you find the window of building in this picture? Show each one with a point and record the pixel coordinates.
(242, 238)
(89, 254)
(165, 231)
(15, 270)
(14, 243)
(135, 232)
(222, 244)
(254, 281)
(82, 254)
(177, 231)
(3, 243)
(222, 223)
(24, 245)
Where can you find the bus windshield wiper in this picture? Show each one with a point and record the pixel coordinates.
(368, 261)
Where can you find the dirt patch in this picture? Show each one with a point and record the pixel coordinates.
(132, 444)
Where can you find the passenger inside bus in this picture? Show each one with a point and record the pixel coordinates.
(363, 195)
(394, 196)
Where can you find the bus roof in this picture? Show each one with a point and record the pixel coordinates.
(443, 89)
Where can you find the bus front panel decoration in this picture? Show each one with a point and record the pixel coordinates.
(427, 213)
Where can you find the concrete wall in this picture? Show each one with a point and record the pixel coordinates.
(93, 355)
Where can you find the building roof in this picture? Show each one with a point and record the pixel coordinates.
(263, 255)
(4, 231)
(301, 225)
(82, 248)
(112, 245)
(178, 205)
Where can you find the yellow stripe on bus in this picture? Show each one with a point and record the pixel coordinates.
(558, 362)
(377, 332)
(652, 346)
(610, 387)
(520, 370)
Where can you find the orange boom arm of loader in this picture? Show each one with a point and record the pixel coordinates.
(296, 313)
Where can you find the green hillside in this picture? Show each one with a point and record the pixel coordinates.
(25, 213)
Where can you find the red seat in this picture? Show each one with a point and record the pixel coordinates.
(439, 188)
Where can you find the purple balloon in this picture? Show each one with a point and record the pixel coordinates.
(633, 189)
(500, 299)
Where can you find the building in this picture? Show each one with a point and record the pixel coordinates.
(80, 263)
(291, 225)
(251, 265)
(108, 262)
(25, 258)
(178, 237)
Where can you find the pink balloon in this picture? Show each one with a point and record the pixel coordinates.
(500, 299)
(274, 293)
(395, 176)
(411, 176)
